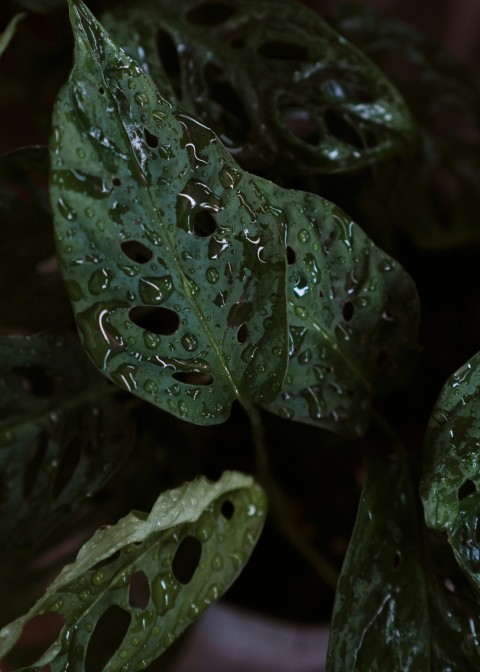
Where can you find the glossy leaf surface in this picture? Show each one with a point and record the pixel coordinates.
(222, 519)
(451, 475)
(433, 192)
(276, 83)
(353, 317)
(61, 434)
(402, 603)
(9, 32)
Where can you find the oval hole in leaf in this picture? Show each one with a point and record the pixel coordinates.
(341, 129)
(186, 559)
(109, 632)
(67, 467)
(168, 55)
(234, 118)
(242, 333)
(106, 561)
(101, 91)
(193, 377)
(210, 14)
(136, 251)
(35, 380)
(397, 559)
(204, 224)
(117, 182)
(382, 358)
(162, 321)
(151, 140)
(348, 311)
(34, 464)
(291, 256)
(466, 489)
(38, 634)
(139, 593)
(302, 124)
(284, 51)
(227, 509)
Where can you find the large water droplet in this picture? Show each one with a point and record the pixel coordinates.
(189, 342)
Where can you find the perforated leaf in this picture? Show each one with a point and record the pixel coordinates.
(433, 193)
(353, 318)
(61, 434)
(402, 603)
(451, 475)
(9, 32)
(277, 84)
(172, 256)
(221, 521)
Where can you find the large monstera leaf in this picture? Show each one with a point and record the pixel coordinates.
(176, 260)
(451, 478)
(159, 571)
(61, 435)
(277, 84)
(377, 626)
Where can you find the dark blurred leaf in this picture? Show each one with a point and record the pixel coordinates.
(40, 6)
(9, 32)
(402, 603)
(61, 434)
(434, 194)
(274, 81)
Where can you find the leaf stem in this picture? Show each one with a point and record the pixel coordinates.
(282, 508)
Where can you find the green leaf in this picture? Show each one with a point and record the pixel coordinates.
(277, 84)
(61, 435)
(451, 481)
(223, 519)
(401, 604)
(353, 318)
(9, 32)
(433, 193)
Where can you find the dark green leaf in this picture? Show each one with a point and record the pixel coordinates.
(9, 32)
(40, 6)
(221, 521)
(274, 81)
(402, 604)
(451, 480)
(61, 434)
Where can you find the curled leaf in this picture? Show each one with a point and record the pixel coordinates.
(9, 32)
(189, 549)
(277, 84)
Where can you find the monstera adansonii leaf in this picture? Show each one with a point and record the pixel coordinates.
(277, 84)
(153, 573)
(62, 434)
(451, 476)
(402, 603)
(185, 272)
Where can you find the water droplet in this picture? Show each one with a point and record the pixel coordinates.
(123, 654)
(164, 592)
(98, 578)
(182, 409)
(213, 275)
(155, 290)
(249, 353)
(152, 341)
(305, 357)
(100, 281)
(303, 236)
(150, 387)
(89, 627)
(134, 641)
(57, 605)
(80, 153)
(84, 595)
(217, 563)
(286, 412)
(189, 342)
(141, 98)
(66, 211)
(300, 312)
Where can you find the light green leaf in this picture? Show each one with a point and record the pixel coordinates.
(223, 519)
(61, 435)
(9, 32)
(451, 477)
(277, 84)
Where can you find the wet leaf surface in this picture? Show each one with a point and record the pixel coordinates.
(276, 83)
(176, 586)
(61, 435)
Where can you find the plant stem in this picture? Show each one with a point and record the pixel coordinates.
(282, 509)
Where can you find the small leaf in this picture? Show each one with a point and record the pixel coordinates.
(274, 81)
(450, 486)
(9, 32)
(61, 435)
(151, 544)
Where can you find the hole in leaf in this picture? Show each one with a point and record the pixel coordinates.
(284, 51)
(168, 55)
(210, 14)
(106, 561)
(397, 559)
(193, 377)
(348, 311)
(204, 224)
(291, 256)
(342, 129)
(186, 559)
(34, 464)
(67, 466)
(116, 182)
(35, 380)
(382, 358)
(160, 321)
(152, 140)
(302, 124)
(234, 118)
(466, 489)
(101, 90)
(242, 333)
(38, 634)
(449, 585)
(136, 251)
(109, 632)
(139, 593)
(227, 509)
